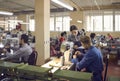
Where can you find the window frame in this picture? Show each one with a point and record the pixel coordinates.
(103, 14)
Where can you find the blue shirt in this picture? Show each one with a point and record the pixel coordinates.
(92, 61)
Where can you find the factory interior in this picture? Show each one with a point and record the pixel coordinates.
(59, 40)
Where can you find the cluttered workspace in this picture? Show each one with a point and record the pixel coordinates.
(57, 69)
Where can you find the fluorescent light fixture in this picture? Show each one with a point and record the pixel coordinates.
(63, 4)
(17, 21)
(24, 23)
(20, 21)
(70, 19)
(79, 21)
(97, 4)
(6, 13)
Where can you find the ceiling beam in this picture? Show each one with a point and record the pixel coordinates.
(54, 5)
(102, 7)
(19, 4)
(51, 10)
(78, 8)
(4, 9)
(59, 10)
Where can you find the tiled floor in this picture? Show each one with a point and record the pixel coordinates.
(113, 69)
(113, 66)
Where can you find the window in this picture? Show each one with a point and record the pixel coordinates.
(108, 23)
(32, 25)
(94, 23)
(88, 24)
(66, 23)
(117, 21)
(10, 23)
(59, 23)
(2, 22)
(52, 24)
(105, 21)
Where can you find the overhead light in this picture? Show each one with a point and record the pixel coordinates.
(24, 23)
(70, 19)
(15, 21)
(6, 13)
(79, 21)
(97, 5)
(63, 4)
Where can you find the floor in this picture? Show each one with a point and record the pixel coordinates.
(113, 69)
(113, 66)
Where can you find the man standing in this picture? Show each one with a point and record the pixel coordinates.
(75, 34)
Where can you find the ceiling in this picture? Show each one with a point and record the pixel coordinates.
(28, 5)
(97, 4)
(21, 5)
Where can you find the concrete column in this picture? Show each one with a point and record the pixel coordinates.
(24, 19)
(42, 30)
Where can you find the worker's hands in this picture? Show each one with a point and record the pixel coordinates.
(4, 50)
(76, 54)
(75, 46)
(83, 70)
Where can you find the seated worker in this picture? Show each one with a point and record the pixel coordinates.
(92, 60)
(7, 47)
(93, 40)
(63, 37)
(83, 32)
(110, 36)
(22, 54)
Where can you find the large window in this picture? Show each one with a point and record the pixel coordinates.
(59, 23)
(96, 23)
(105, 21)
(117, 21)
(66, 23)
(108, 23)
(52, 27)
(32, 25)
(8, 23)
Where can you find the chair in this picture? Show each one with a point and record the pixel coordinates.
(31, 61)
(33, 58)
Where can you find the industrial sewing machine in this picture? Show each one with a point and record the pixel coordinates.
(23, 72)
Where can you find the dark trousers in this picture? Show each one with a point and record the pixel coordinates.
(97, 76)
